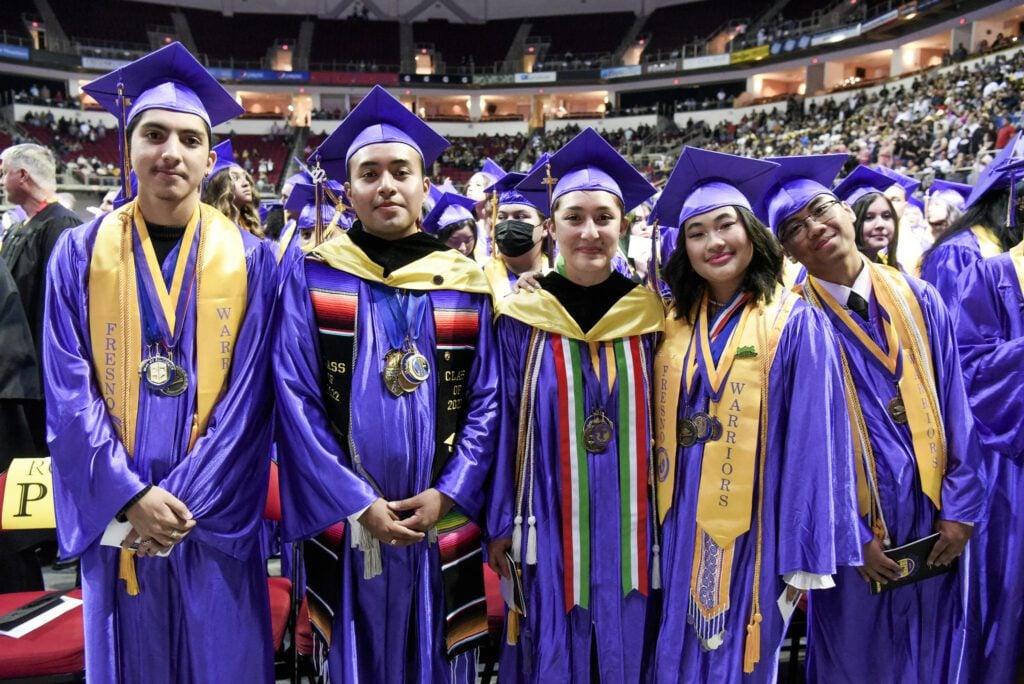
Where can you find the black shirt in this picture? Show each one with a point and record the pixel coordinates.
(392, 255)
(587, 305)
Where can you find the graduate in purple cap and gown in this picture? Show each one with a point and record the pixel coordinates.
(990, 332)
(520, 235)
(159, 391)
(570, 498)
(452, 222)
(755, 466)
(386, 418)
(915, 233)
(875, 221)
(232, 191)
(985, 230)
(902, 371)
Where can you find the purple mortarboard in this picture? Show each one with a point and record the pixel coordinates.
(797, 181)
(703, 181)
(861, 181)
(587, 162)
(303, 176)
(953, 194)
(378, 118)
(169, 78)
(505, 188)
(225, 157)
(451, 208)
(999, 173)
(908, 184)
(491, 168)
(435, 192)
(538, 199)
(265, 209)
(302, 201)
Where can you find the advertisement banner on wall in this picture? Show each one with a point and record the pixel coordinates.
(96, 63)
(705, 62)
(537, 77)
(622, 72)
(13, 52)
(750, 54)
(434, 79)
(836, 36)
(367, 78)
(493, 79)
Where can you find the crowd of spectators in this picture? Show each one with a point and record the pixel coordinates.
(466, 154)
(43, 96)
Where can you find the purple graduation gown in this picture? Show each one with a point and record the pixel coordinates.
(617, 630)
(941, 266)
(202, 613)
(810, 514)
(914, 633)
(389, 628)
(990, 333)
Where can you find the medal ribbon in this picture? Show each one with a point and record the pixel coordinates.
(401, 323)
(633, 450)
(917, 388)
(115, 328)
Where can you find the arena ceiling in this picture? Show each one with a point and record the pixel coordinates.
(465, 11)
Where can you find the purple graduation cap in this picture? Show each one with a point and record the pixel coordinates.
(909, 185)
(451, 208)
(587, 162)
(169, 78)
(378, 118)
(303, 176)
(703, 181)
(861, 181)
(538, 199)
(435, 192)
(953, 194)
(492, 169)
(225, 157)
(302, 201)
(797, 181)
(1000, 173)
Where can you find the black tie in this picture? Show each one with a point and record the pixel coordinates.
(857, 304)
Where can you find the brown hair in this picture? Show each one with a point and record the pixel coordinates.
(220, 193)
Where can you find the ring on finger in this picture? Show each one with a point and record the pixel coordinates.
(394, 541)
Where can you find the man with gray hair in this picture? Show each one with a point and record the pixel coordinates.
(28, 176)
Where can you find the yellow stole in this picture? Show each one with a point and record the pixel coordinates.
(115, 326)
(445, 270)
(987, 242)
(1017, 256)
(729, 464)
(497, 275)
(286, 239)
(906, 334)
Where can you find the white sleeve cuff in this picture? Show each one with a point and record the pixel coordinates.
(806, 581)
(354, 518)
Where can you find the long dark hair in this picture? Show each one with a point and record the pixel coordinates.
(990, 212)
(451, 228)
(220, 193)
(860, 210)
(763, 273)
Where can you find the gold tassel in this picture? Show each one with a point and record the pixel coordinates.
(127, 573)
(752, 651)
(512, 627)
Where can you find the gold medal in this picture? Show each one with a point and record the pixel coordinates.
(392, 372)
(897, 410)
(686, 432)
(598, 430)
(702, 426)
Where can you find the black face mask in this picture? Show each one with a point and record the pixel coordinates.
(514, 238)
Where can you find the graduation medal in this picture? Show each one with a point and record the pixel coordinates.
(393, 371)
(597, 431)
(707, 428)
(157, 372)
(897, 410)
(178, 385)
(414, 369)
(686, 433)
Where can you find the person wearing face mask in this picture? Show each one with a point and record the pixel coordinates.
(451, 221)
(875, 220)
(916, 484)
(570, 501)
(755, 483)
(519, 233)
(229, 188)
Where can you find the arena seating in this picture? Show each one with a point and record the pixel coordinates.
(462, 44)
(602, 35)
(337, 43)
(11, 12)
(105, 21)
(223, 39)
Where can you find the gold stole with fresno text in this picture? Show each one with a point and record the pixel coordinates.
(730, 463)
(907, 335)
(115, 326)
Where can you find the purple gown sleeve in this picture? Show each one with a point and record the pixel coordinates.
(992, 354)
(92, 477)
(223, 481)
(318, 485)
(465, 474)
(819, 526)
(964, 490)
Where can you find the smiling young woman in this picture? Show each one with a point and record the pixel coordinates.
(750, 445)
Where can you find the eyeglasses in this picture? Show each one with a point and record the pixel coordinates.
(819, 214)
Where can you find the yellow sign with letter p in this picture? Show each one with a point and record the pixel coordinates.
(28, 495)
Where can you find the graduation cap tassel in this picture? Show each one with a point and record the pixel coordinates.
(319, 176)
(654, 269)
(512, 627)
(495, 252)
(531, 540)
(550, 181)
(1011, 209)
(122, 144)
(127, 572)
